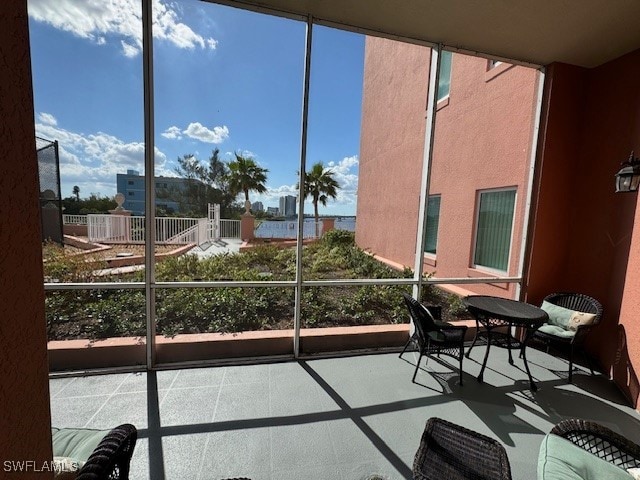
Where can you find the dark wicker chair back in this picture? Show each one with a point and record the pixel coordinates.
(421, 317)
(112, 457)
(453, 452)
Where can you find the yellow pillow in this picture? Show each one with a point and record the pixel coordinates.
(580, 318)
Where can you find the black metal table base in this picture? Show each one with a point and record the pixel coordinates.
(503, 340)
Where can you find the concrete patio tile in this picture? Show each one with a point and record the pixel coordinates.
(247, 374)
(75, 412)
(328, 472)
(237, 453)
(139, 381)
(199, 377)
(366, 468)
(140, 461)
(93, 385)
(122, 408)
(294, 446)
(181, 456)
(243, 401)
(57, 385)
(345, 418)
(188, 406)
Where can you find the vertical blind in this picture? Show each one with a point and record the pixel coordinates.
(433, 219)
(495, 220)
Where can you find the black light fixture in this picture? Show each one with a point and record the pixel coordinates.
(628, 177)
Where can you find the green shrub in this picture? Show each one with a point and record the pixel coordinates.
(100, 314)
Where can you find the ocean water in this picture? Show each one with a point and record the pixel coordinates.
(287, 228)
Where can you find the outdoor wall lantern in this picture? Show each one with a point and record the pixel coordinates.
(628, 177)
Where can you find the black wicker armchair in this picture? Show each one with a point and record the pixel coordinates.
(433, 336)
(111, 458)
(600, 441)
(577, 302)
(452, 452)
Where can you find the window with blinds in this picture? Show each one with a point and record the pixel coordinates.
(494, 225)
(433, 220)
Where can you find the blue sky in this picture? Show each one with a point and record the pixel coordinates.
(224, 78)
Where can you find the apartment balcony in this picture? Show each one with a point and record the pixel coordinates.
(343, 418)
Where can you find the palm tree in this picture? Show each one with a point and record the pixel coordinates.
(245, 175)
(320, 185)
(76, 192)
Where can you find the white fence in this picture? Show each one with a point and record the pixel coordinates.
(169, 230)
(74, 219)
(229, 229)
(288, 229)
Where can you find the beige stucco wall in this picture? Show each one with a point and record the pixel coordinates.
(483, 139)
(25, 422)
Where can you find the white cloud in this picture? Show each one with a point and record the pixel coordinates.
(128, 50)
(92, 161)
(101, 21)
(47, 118)
(173, 133)
(346, 174)
(198, 131)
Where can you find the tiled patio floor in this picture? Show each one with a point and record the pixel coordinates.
(339, 418)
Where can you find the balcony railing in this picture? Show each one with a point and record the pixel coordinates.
(169, 230)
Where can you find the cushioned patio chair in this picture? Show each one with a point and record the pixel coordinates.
(600, 441)
(451, 452)
(584, 449)
(434, 336)
(571, 318)
(99, 454)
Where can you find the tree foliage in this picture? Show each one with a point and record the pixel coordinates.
(206, 183)
(95, 203)
(245, 175)
(320, 185)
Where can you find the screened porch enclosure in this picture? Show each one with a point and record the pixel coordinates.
(418, 228)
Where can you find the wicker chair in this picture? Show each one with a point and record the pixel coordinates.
(449, 451)
(112, 457)
(600, 441)
(577, 302)
(434, 336)
(436, 313)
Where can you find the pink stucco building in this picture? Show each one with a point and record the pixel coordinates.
(482, 154)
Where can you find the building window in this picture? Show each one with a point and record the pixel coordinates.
(131, 194)
(444, 79)
(433, 220)
(130, 182)
(494, 226)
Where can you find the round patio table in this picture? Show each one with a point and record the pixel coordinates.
(494, 312)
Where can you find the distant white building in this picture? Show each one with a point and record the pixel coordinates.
(257, 207)
(288, 206)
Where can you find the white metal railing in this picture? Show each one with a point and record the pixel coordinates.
(172, 230)
(74, 219)
(168, 229)
(287, 229)
(228, 229)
